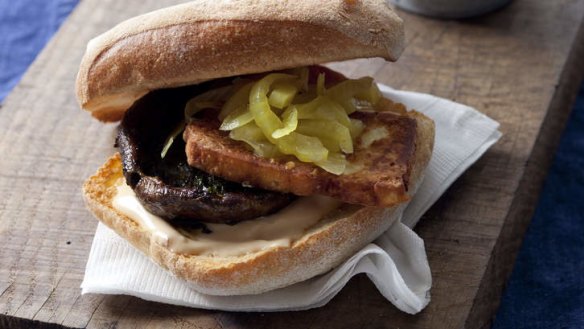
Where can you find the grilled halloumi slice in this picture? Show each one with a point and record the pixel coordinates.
(377, 173)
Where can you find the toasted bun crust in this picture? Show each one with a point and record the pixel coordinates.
(323, 247)
(209, 39)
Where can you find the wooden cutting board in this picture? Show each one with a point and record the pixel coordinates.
(519, 65)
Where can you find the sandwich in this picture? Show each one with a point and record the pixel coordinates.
(244, 165)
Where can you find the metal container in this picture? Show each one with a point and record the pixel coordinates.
(450, 8)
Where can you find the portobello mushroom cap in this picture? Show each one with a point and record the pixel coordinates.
(168, 187)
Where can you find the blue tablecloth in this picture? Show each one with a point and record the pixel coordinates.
(546, 289)
(25, 27)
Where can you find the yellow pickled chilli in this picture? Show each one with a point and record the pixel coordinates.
(212, 99)
(282, 114)
(254, 137)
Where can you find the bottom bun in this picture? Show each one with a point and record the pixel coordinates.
(328, 243)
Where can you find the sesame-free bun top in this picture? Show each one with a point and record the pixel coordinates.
(209, 39)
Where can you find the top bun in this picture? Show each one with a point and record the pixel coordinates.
(206, 39)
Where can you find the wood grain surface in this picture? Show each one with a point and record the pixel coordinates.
(519, 65)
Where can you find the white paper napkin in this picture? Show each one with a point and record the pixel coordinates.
(396, 262)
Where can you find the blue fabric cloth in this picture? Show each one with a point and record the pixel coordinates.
(25, 28)
(546, 289)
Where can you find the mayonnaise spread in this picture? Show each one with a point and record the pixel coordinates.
(276, 230)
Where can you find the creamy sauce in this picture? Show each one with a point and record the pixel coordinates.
(276, 230)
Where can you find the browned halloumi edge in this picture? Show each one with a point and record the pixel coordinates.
(378, 172)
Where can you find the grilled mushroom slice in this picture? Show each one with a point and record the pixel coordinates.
(168, 187)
